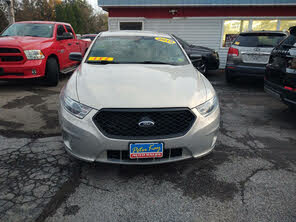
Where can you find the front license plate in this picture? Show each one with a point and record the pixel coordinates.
(146, 150)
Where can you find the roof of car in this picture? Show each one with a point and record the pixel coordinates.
(44, 22)
(135, 33)
(263, 31)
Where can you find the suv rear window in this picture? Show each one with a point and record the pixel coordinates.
(259, 39)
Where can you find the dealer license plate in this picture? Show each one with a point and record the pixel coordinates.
(255, 58)
(146, 150)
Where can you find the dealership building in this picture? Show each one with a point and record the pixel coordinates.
(210, 23)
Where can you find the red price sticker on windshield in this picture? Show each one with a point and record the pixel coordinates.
(101, 59)
(165, 40)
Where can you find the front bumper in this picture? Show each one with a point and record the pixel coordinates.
(242, 70)
(24, 70)
(280, 93)
(213, 63)
(84, 141)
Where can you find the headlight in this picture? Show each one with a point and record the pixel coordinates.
(34, 54)
(75, 108)
(208, 107)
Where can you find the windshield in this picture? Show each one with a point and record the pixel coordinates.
(288, 43)
(137, 49)
(259, 40)
(29, 29)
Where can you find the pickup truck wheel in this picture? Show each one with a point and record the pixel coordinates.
(52, 72)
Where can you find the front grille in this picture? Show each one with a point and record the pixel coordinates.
(123, 155)
(10, 55)
(11, 58)
(9, 50)
(123, 123)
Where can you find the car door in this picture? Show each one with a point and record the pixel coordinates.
(72, 44)
(61, 47)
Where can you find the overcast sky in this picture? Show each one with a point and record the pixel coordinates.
(94, 4)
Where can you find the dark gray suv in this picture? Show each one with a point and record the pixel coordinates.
(250, 52)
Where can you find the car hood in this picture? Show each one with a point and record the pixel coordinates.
(202, 49)
(139, 86)
(24, 42)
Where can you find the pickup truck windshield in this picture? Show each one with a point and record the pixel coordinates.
(29, 29)
(136, 49)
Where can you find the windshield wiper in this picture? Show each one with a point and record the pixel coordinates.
(102, 62)
(32, 35)
(156, 62)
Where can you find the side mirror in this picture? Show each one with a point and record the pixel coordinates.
(75, 56)
(66, 35)
(195, 57)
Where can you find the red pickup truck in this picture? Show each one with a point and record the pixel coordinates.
(38, 49)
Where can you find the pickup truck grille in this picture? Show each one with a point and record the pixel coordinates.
(10, 55)
(9, 50)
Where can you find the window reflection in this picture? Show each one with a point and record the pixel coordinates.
(268, 25)
(286, 24)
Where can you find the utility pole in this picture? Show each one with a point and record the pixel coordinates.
(11, 18)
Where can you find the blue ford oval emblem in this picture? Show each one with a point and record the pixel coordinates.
(146, 123)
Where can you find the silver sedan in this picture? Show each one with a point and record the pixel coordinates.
(137, 99)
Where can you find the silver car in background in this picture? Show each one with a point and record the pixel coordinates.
(250, 52)
(137, 99)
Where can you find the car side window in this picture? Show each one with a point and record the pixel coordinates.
(69, 30)
(60, 30)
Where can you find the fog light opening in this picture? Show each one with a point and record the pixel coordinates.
(214, 141)
(66, 139)
(34, 71)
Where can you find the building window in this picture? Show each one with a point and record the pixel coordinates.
(268, 25)
(131, 25)
(233, 27)
(286, 24)
(231, 30)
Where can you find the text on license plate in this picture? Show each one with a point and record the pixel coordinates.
(146, 150)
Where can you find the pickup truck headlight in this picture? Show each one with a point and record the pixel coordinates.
(75, 108)
(34, 54)
(208, 107)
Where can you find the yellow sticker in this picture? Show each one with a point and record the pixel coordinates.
(236, 43)
(169, 41)
(100, 59)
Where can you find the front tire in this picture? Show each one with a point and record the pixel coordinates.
(52, 72)
(292, 107)
(202, 67)
(228, 77)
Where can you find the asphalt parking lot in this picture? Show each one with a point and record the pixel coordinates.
(250, 176)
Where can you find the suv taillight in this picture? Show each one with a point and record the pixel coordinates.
(233, 51)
